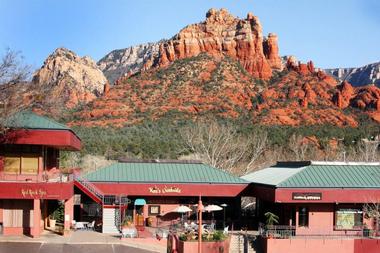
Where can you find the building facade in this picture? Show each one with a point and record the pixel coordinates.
(149, 191)
(32, 185)
(319, 203)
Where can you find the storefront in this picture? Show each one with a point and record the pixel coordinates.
(32, 186)
(318, 198)
(149, 190)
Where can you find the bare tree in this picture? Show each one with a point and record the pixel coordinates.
(298, 147)
(372, 211)
(368, 150)
(12, 68)
(12, 71)
(221, 146)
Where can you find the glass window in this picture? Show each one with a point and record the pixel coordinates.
(303, 217)
(29, 165)
(348, 218)
(12, 164)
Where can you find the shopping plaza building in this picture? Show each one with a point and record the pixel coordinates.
(31, 183)
(316, 200)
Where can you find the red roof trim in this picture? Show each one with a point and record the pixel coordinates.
(332, 195)
(61, 139)
(207, 190)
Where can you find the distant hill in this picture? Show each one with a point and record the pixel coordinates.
(368, 74)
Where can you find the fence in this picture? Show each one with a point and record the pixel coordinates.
(283, 232)
(37, 178)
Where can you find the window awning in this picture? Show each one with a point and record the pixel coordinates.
(140, 202)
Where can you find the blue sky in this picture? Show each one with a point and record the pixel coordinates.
(332, 33)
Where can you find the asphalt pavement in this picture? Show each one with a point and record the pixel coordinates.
(38, 247)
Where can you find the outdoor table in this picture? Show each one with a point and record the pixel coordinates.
(81, 225)
(129, 232)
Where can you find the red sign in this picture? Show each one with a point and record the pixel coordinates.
(14, 190)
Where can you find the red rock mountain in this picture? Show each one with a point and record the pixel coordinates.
(221, 67)
(223, 34)
(64, 81)
(205, 85)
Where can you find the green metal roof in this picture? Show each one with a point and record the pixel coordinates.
(320, 175)
(30, 120)
(162, 173)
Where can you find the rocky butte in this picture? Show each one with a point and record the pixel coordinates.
(69, 78)
(222, 33)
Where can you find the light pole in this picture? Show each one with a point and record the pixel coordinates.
(224, 214)
(200, 209)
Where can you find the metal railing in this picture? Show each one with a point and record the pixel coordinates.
(37, 178)
(90, 187)
(283, 232)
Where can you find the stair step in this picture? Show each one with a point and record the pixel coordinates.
(237, 245)
(109, 221)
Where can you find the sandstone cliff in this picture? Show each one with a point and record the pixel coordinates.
(68, 79)
(220, 34)
(223, 34)
(128, 61)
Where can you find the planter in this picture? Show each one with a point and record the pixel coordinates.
(52, 223)
(207, 247)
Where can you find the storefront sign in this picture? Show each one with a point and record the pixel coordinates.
(165, 189)
(307, 196)
(31, 193)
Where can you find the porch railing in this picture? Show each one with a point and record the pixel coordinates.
(284, 231)
(36, 178)
(90, 187)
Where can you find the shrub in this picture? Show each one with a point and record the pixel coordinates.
(58, 213)
(218, 236)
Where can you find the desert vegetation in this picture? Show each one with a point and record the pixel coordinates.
(232, 145)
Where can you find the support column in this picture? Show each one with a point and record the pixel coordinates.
(36, 230)
(69, 213)
(45, 212)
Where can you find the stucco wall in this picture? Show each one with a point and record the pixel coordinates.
(303, 245)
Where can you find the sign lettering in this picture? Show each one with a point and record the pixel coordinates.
(307, 196)
(33, 193)
(165, 189)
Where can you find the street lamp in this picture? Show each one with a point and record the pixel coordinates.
(224, 214)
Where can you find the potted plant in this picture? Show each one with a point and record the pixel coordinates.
(52, 221)
(127, 222)
(271, 220)
(56, 216)
(149, 221)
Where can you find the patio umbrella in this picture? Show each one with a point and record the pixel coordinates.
(212, 208)
(182, 209)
